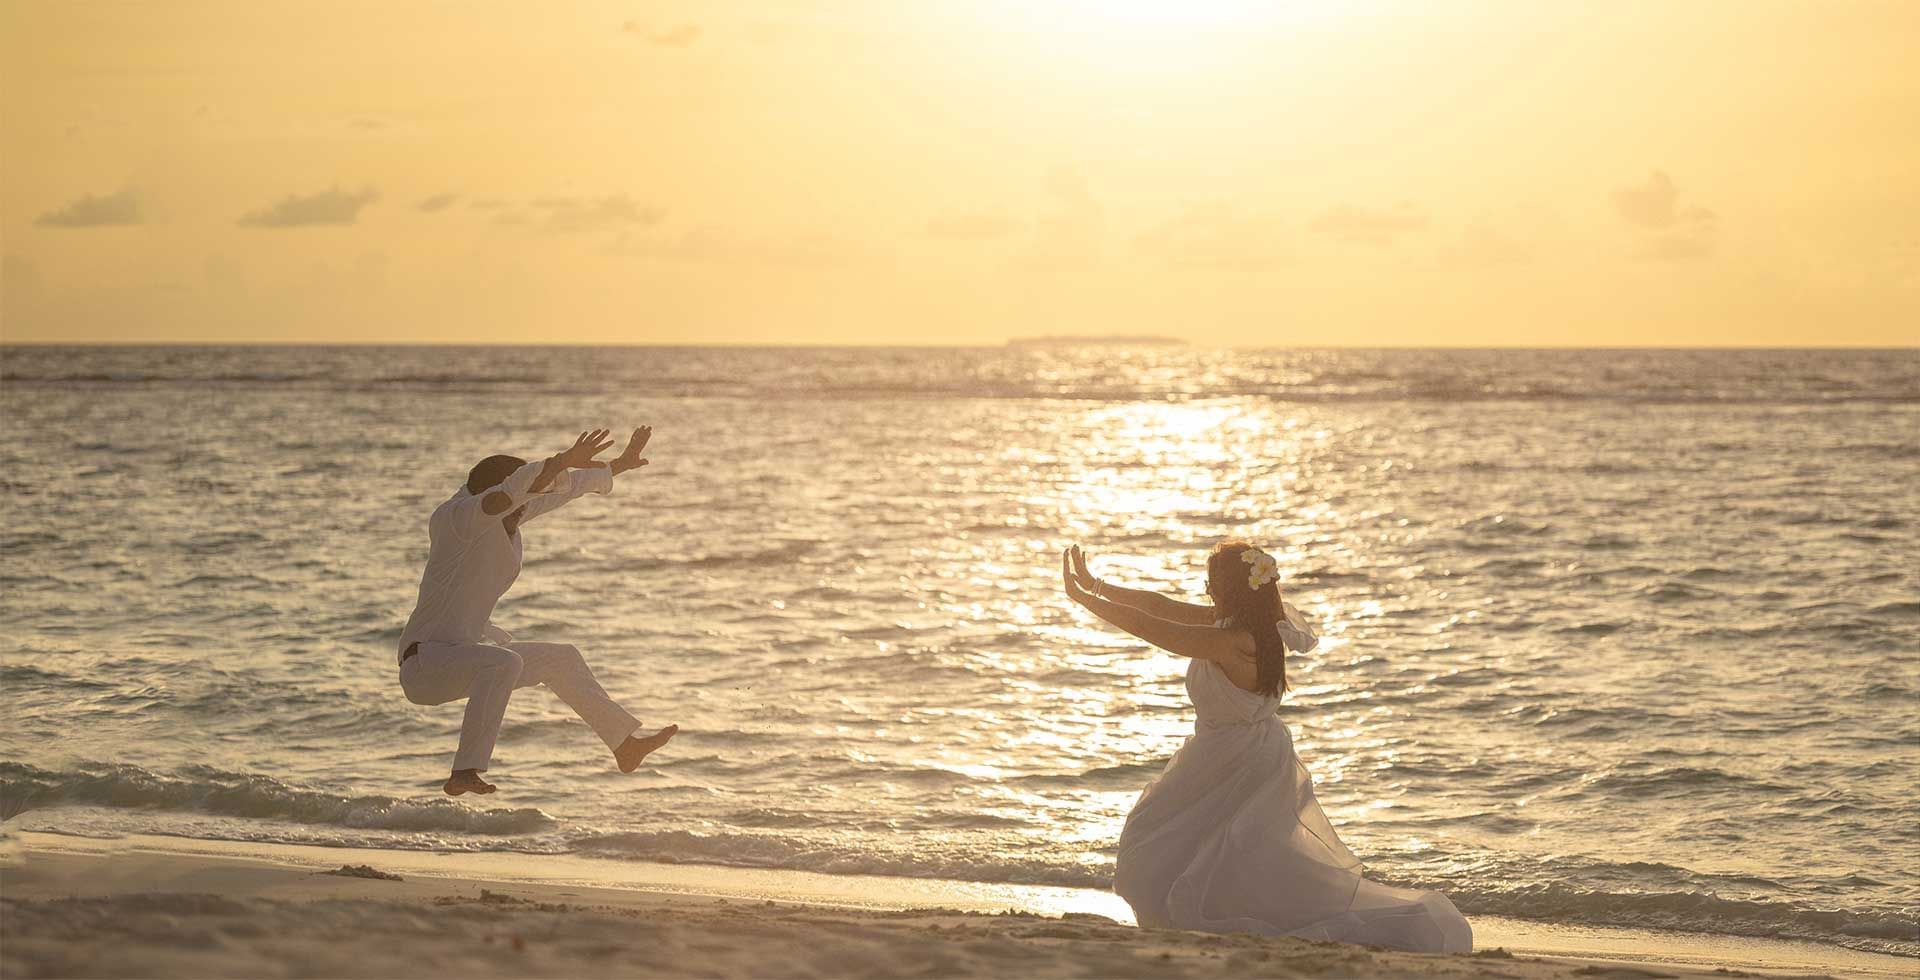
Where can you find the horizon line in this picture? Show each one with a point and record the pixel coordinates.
(1010, 344)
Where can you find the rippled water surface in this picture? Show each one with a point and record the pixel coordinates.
(1616, 637)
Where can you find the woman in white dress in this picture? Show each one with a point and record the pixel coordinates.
(1230, 838)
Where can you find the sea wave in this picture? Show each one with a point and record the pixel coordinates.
(202, 789)
(1879, 930)
(799, 853)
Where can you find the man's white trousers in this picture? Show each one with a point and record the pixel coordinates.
(486, 675)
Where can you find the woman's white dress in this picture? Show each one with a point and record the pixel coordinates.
(1230, 838)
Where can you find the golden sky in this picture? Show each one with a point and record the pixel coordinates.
(1280, 173)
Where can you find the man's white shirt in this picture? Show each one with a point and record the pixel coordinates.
(472, 560)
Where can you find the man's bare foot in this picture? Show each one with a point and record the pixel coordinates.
(467, 781)
(633, 750)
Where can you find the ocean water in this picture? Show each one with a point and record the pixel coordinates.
(1613, 637)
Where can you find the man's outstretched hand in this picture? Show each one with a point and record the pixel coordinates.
(580, 455)
(630, 458)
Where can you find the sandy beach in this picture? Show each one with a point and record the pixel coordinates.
(154, 907)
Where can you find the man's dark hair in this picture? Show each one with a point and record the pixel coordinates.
(490, 471)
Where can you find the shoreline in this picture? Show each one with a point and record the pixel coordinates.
(270, 899)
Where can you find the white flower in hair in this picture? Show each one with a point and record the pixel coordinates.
(1262, 568)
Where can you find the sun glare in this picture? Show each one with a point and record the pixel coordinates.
(1169, 40)
(1167, 13)
(1170, 16)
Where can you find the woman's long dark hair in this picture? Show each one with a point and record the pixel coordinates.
(1258, 611)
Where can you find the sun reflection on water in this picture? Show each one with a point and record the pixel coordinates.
(1149, 488)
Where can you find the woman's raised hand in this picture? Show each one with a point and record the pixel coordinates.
(1071, 581)
(1080, 573)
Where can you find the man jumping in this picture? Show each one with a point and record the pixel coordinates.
(450, 649)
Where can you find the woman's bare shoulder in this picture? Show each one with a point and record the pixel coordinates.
(1241, 641)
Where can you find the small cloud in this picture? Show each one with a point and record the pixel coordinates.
(95, 211)
(677, 36)
(1370, 226)
(438, 202)
(971, 226)
(367, 123)
(568, 215)
(1649, 204)
(332, 206)
(1670, 233)
(1212, 236)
